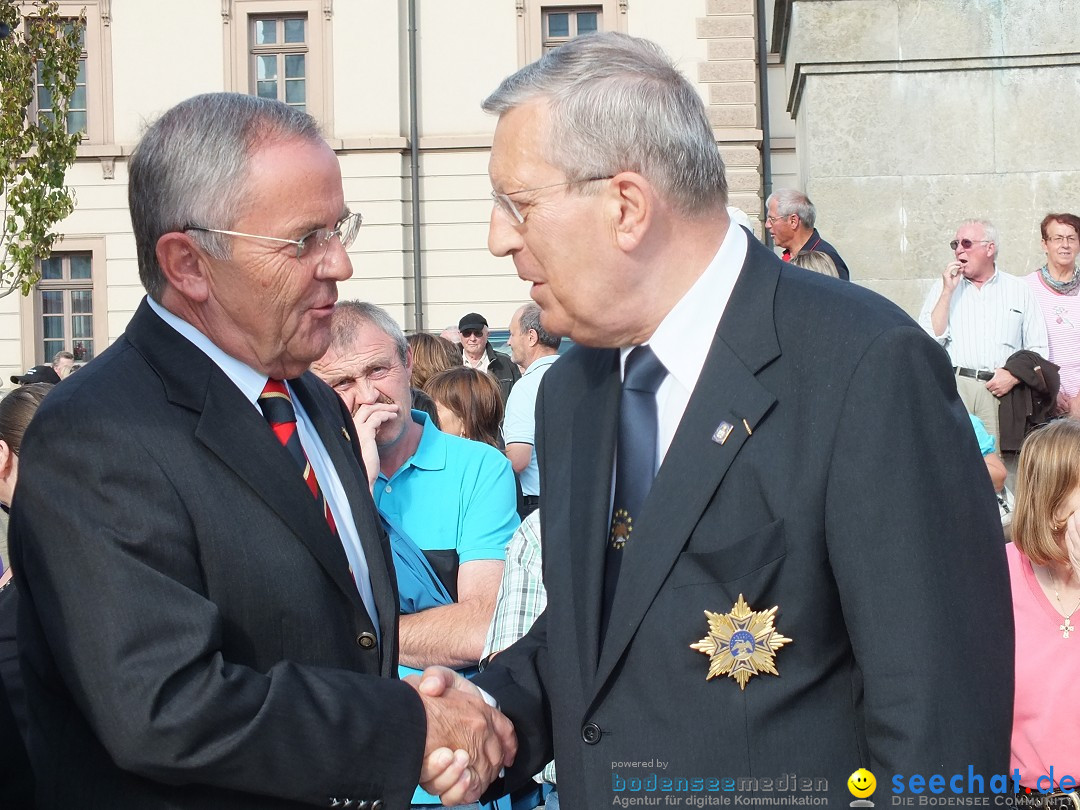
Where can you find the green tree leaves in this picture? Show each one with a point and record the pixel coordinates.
(41, 47)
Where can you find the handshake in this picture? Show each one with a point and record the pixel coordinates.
(468, 741)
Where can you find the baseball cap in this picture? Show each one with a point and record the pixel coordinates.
(474, 320)
(37, 374)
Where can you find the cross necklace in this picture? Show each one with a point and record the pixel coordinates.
(1066, 626)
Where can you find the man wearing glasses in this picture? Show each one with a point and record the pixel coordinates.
(982, 316)
(211, 619)
(477, 352)
(790, 219)
(731, 443)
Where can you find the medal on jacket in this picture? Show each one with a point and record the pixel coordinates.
(742, 643)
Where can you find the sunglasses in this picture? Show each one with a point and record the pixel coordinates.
(472, 333)
(967, 243)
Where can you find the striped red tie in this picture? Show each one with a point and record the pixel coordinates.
(278, 409)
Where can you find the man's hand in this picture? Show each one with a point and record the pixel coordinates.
(468, 741)
(951, 278)
(367, 420)
(1001, 383)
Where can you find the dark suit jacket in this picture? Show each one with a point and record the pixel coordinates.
(189, 628)
(857, 506)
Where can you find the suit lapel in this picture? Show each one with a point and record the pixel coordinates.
(593, 454)
(695, 465)
(338, 444)
(234, 430)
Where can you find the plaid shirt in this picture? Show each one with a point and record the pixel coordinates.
(522, 597)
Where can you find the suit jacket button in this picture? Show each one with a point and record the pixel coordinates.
(590, 733)
(366, 640)
(377, 805)
(363, 804)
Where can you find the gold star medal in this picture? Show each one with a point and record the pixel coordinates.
(741, 643)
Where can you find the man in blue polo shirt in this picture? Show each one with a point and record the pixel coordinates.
(453, 498)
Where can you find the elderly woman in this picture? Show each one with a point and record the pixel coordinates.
(1044, 565)
(1057, 289)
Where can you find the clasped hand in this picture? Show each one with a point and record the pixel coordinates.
(468, 741)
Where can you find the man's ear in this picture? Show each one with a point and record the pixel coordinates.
(630, 201)
(183, 265)
(532, 337)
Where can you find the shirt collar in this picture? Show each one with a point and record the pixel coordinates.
(430, 453)
(248, 380)
(682, 340)
(540, 362)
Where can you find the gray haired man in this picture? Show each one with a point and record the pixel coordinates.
(211, 619)
(750, 567)
(791, 218)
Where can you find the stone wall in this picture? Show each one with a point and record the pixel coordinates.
(912, 115)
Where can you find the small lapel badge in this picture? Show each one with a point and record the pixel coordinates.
(742, 643)
(345, 433)
(723, 430)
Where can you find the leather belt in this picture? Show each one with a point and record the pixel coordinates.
(975, 374)
(1057, 800)
(530, 500)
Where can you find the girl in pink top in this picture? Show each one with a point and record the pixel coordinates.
(1044, 565)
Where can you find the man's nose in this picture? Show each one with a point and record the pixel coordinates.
(503, 237)
(335, 263)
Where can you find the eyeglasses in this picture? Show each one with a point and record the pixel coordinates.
(1062, 240)
(967, 243)
(507, 206)
(771, 220)
(467, 333)
(311, 246)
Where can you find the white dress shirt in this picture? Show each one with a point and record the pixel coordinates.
(682, 340)
(988, 324)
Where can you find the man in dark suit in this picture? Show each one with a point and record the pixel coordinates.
(814, 581)
(210, 618)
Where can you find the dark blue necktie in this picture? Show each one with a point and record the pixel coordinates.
(635, 465)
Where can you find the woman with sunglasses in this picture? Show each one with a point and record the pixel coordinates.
(1057, 289)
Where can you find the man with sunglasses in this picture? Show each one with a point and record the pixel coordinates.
(210, 620)
(477, 352)
(982, 316)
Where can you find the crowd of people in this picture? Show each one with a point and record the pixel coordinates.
(269, 551)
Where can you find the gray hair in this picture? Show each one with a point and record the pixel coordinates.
(191, 166)
(990, 232)
(530, 319)
(789, 201)
(618, 103)
(350, 316)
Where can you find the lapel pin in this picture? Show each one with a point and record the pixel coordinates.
(723, 430)
(746, 425)
(345, 433)
(742, 643)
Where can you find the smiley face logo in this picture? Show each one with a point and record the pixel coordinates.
(861, 783)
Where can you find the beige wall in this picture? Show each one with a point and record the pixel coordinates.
(162, 52)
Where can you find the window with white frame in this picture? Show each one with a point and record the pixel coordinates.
(90, 108)
(279, 49)
(560, 24)
(64, 300)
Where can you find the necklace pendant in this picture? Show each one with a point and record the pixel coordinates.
(1066, 627)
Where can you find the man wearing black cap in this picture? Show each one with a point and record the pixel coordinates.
(37, 374)
(477, 352)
